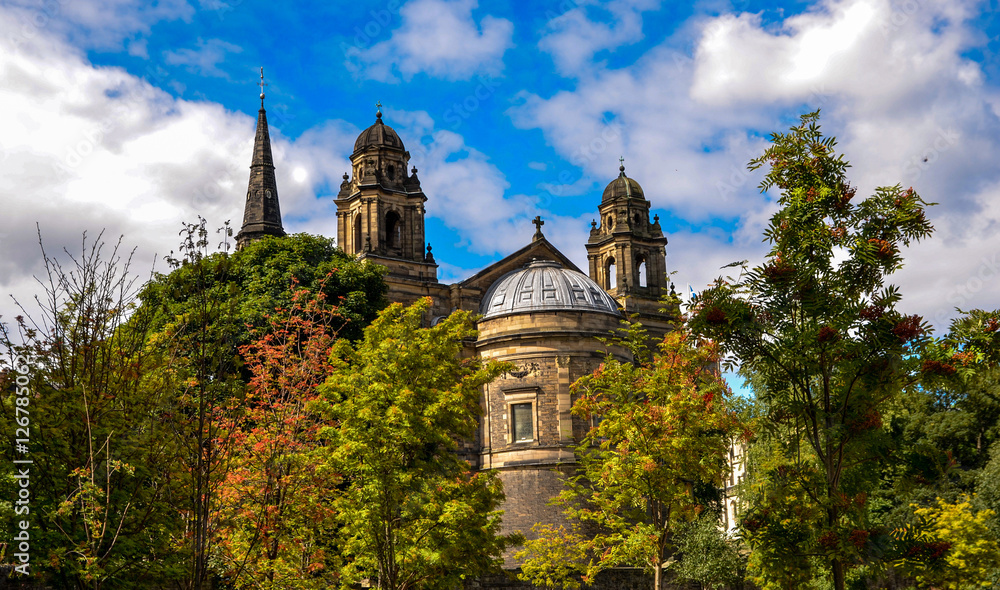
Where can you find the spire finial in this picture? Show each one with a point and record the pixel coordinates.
(378, 112)
(262, 85)
(621, 168)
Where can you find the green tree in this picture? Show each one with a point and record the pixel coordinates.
(198, 344)
(660, 442)
(708, 555)
(103, 477)
(412, 513)
(260, 278)
(817, 328)
(972, 559)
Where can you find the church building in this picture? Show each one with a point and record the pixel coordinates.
(537, 309)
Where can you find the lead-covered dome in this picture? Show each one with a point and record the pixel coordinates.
(545, 285)
(622, 187)
(379, 135)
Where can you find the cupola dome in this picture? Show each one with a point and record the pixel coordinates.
(378, 135)
(622, 187)
(545, 285)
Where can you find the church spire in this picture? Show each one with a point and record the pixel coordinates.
(261, 215)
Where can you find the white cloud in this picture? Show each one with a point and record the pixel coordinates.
(437, 37)
(572, 38)
(205, 59)
(894, 86)
(102, 25)
(95, 148)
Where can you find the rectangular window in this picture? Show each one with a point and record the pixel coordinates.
(522, 421)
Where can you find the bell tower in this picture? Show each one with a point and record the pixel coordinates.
(626, 252)
(380, 211)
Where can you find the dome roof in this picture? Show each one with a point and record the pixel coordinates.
(622, 187)
(544, 285)
(380, 135)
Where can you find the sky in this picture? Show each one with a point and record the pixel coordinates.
(133, 117)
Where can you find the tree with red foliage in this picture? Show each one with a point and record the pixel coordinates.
(275, 526)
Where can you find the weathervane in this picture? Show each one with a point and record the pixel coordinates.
(262, 85)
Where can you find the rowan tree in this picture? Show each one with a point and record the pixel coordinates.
(275, 524)
(652, 461)
(412, 514)
(816, 326)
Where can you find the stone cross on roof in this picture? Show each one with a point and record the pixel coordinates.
(538, 226)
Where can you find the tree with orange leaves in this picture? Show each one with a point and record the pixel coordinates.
(276, 527)
(655, 456)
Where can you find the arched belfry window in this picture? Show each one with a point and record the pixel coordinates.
(610, 272)
(357, 233)
(394, 230)
(643, 269)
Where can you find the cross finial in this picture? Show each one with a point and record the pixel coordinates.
(378, 112)
(621, 168)
(538, 226)
(262, 85)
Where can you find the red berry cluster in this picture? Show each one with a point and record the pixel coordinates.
(938, 368)
(828, 540)
(858, 538)
(715, 316)
(827, 334)
(908, 328)
(872, 313)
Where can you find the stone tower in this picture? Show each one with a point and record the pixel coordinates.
(261, 214)
(627, 255)
(380, 211)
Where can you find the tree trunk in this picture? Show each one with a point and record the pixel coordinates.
(838, 574)
(657, 575)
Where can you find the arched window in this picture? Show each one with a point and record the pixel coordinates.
(393, 230)
(357, 233)
(643, 271)
(610, 272)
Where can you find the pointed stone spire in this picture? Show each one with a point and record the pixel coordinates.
(261, 215)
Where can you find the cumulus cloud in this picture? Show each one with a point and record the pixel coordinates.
(95, 148)
(101, 25)
(437, 37)
(895, 87)
(573, 37)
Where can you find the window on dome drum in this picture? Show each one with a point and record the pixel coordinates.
(393, 230)
(357, 233)
(522, 422)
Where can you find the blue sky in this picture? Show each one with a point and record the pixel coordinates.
(134, 117)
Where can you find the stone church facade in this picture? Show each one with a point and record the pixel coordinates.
(538, 310)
